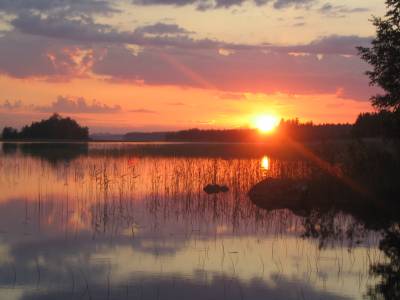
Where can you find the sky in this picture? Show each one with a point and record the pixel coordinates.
(151, 65)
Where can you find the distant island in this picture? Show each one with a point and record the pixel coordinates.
(383, 124)
(53, 128)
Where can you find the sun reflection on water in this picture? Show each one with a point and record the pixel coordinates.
(265, 163)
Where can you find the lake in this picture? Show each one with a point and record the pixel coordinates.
(132, 221)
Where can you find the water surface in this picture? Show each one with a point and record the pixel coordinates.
(131, 221)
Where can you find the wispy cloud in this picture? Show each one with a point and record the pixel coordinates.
(86, 30)
(265, 69)
(178, 103)
(161, 28)
(204, 5)
(78, 105)
(142, 111)
(11, 105)
(67, 7)
(63, 105)
(232, 96)
(340, 11)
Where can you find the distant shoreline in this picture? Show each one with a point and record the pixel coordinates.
(60, 141)
(44, 141)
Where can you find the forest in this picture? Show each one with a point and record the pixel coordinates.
(53, 128)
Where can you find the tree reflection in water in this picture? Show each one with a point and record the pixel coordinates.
(389, 272)
(328, 199)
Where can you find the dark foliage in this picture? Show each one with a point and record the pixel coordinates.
(381, 124)
(310, 132)
(389, 273)
(9, 133)
(54, 128)
(293, 128)
(384, 57)
(228, 135)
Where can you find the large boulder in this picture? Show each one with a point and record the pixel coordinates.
(276, 193)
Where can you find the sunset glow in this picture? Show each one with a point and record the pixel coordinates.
(266, 123)
(174, 65)
(199, 149)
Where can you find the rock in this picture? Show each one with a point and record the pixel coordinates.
(223, 188)
(211, 189)
(215, 189)
(303, 196)
(273, 193)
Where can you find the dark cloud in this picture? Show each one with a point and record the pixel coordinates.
(25, 56)
(340, 10)
(215, 4)
(70, 7)
(228, 3)
(162, 28)
(278, 70)
(77, 105)
(333, 44)
(165, 2)
(82, 30)
(85, 30)
(50, 47)
(280, 4)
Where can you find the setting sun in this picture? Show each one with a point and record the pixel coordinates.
(266, 123)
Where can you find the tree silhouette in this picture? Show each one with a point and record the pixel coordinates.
(293, 128)
(55, 127)
(9, 133)
(384, 57)
(389, 272)
(380, 124)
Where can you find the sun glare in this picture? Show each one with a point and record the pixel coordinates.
(265, 165)
(266, 123)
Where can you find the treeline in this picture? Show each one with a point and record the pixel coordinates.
(225, 135)
(292, 128)
(382, 124)
(311, 132)
(55, 127)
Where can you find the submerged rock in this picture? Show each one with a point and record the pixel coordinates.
(223, 188)
(273, 193)
(215, 189)
(211, 188)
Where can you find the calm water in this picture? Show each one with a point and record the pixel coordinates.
(131, 221)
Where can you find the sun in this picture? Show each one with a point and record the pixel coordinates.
(266, 123)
